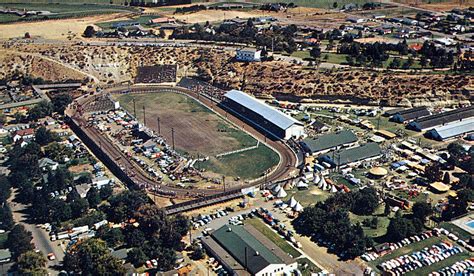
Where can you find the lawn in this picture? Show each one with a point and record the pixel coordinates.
(331, 57)
(311, 268)
(3, 239)
(308, 197)
(200, 132)
(142, 20)
(249, 164)
(382, 225)
(273, 236)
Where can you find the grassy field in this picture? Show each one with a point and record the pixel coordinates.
(273, 236)
(382, 225)
(311, 268)
(64, 10)
(306, 3)
(3, 239)
(248, 164)
(200, 132)
(308, 197)
(143, 20)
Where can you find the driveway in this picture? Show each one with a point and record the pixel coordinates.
(40, 236)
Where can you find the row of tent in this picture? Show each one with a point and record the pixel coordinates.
(280, 192)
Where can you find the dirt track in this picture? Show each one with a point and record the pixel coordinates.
(284, 170)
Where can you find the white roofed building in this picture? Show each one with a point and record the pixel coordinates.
(263, 116)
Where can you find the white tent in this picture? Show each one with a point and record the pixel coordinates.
(281, 193)
(298, 207)
(301, 185)
(333, 189)
(322, 183)
(316, 179)
(276, 189)
(292, 202)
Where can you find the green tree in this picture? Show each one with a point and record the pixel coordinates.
(315, 52)
(106, 192)
(421, 210)
(89, 31)
(19, 240)
(32, 263)
(92, 257)
(79, 207)
(93, 197)
(365, 201)
(60, 102)
(6, 217)
(43, 136)
(433, 172)
(112, 236)
(137, 257)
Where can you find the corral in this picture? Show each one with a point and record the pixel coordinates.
(200, 132)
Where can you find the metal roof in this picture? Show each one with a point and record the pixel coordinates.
(270, 113)
(329, 141)
(453, 129)
(443, 118)
(351, 155)
(245, 248)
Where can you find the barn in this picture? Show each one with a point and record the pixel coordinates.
(263, 116)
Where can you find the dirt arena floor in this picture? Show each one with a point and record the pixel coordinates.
(197, 129)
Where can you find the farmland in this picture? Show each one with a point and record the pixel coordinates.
(200, 132)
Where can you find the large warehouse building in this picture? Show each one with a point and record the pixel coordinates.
(452, 130)
(243, 250)
(440, 119)
(263, 116)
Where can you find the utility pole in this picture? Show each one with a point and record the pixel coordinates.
(134, 109)
(144, 116)
(159, 128)
(223, 182)
(172, 136)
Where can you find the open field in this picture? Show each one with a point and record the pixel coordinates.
(273, 236)
(200, 132)
(60, 11)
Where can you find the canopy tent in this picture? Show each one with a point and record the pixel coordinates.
(333, 189)
(322, 183)
(281, 193)
(292, 202)
(378, 171)
(298, 207)
(276, 189)
(316, 179)
(301, 185)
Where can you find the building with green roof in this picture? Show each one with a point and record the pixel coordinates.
(352, 156)
(327, 142)
(243, 250)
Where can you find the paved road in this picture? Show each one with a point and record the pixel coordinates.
(40, 236)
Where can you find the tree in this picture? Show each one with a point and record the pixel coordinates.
(60, 102)
(106, 192)
(137, 257)
(32, 263)
(112, 236)
(79, 207)
(421, 210)
(92, 257)
(315, 52)
(446, 178)
(43, 136)
(433, 172)
(162, 34)
(198, 252)
(395, 63)
(6, 217)
(93, 197)
(334, 5)
(5, 189)
(89, 31)
(423, 61)
(400, 228)
(40, 110)
(19, 240)
(365, 201)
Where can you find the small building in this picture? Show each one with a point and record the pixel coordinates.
(248, 54)
(385, 134)
(163, 20)
(262, 116)
(100, 182)
(319, 127)
(46, 164)
(439, 187)
(149, 145)
(243, 250)
(451, 130)
(353, 156)
(441, 119)
(411, 114)
(327, 142)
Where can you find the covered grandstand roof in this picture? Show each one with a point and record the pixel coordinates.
(452, 129)
(270, 113)
(443, 118)
(329, 141)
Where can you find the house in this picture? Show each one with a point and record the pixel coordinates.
(243, 250)
(248, 54)
(100, 182)
(82, 189)
(46, 164)
(319, 127)
(24, 134)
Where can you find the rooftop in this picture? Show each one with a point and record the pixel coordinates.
(445, 117)
(270, 113)
(329, 141)
(455, 128)
(351, 155)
